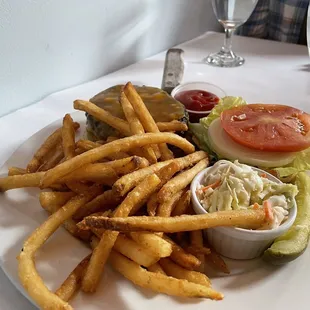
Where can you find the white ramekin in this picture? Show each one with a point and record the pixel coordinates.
(238, 243)
(216, 90)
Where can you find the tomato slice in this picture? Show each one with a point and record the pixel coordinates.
(268, 127)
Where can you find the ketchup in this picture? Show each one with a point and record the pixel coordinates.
(197, 100)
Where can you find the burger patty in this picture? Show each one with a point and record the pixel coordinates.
(162, 107)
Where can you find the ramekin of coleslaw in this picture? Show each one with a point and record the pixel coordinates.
(234, 186)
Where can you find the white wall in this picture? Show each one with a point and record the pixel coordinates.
(48, 45)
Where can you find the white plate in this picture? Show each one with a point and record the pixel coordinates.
(252, 283)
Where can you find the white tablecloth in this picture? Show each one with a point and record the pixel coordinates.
(273, 73)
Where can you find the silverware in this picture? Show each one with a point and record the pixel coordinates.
(173, 69)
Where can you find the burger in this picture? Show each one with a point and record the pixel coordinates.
(162, 107)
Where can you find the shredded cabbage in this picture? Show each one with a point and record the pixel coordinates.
(235, 186)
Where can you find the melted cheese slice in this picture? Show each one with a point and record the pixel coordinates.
(227, 148)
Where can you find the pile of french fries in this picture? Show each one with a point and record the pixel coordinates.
(128, 198)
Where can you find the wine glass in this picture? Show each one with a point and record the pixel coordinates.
(231, 14)
(308, 30)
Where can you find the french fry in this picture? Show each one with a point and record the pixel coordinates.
(176, 271)
(101, 141)
(165, 175)
(103, 116)
(124, 184)
(45, 148)
(19, 181)
(105, 201)
(137, 152)
(58, 199)
(159, 282)
(167, 172)
(154, 147)
(131, 249)
(124, 144)
(152, 205)
(128, 248)
(181, 257)
(111, 138)
(98, 173)
(73, 282)
(72, 228)
(127, 182)
(133, 163)
(94, 241)
(171, 126)
(69, 224)
(249, 219)
(138, 207)
(53, 158)
(196, 237)
(193, 249)
(77, 187)
(87, 145)
(135, 251)
(16, 171)
(180, 181)
(135, 126)
(79, 151)
(27, 272)
(48, 145)
(119, 164)
(183, 205)
(165, 209)
(68, 137)
(191, 276)
(101, 253)
(157, 245)
(156, 268)
(191, 159)
(215, 260)
(145, 117)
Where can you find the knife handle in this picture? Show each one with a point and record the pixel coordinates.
(173, 69)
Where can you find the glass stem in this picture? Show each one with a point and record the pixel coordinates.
(228, 40)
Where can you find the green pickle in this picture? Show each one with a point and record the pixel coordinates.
(294, 242)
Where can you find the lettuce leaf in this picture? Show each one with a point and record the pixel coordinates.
(202, 140)
(200, 130)
(225, 103)
(300, 163)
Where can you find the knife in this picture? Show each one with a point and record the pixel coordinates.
(173, 69)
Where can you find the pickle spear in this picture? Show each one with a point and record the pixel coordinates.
(294, 242)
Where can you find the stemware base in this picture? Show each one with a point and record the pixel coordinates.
(224, 59)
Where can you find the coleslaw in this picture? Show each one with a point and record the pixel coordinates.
(234, 186)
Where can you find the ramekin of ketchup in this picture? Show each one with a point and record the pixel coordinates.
(199, 98)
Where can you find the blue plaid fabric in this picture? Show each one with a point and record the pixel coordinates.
(280, 20)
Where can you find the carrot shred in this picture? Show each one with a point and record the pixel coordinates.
(256, 206)
(268, 210)
(213, 185)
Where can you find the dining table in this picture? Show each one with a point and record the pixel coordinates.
(274, 72)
